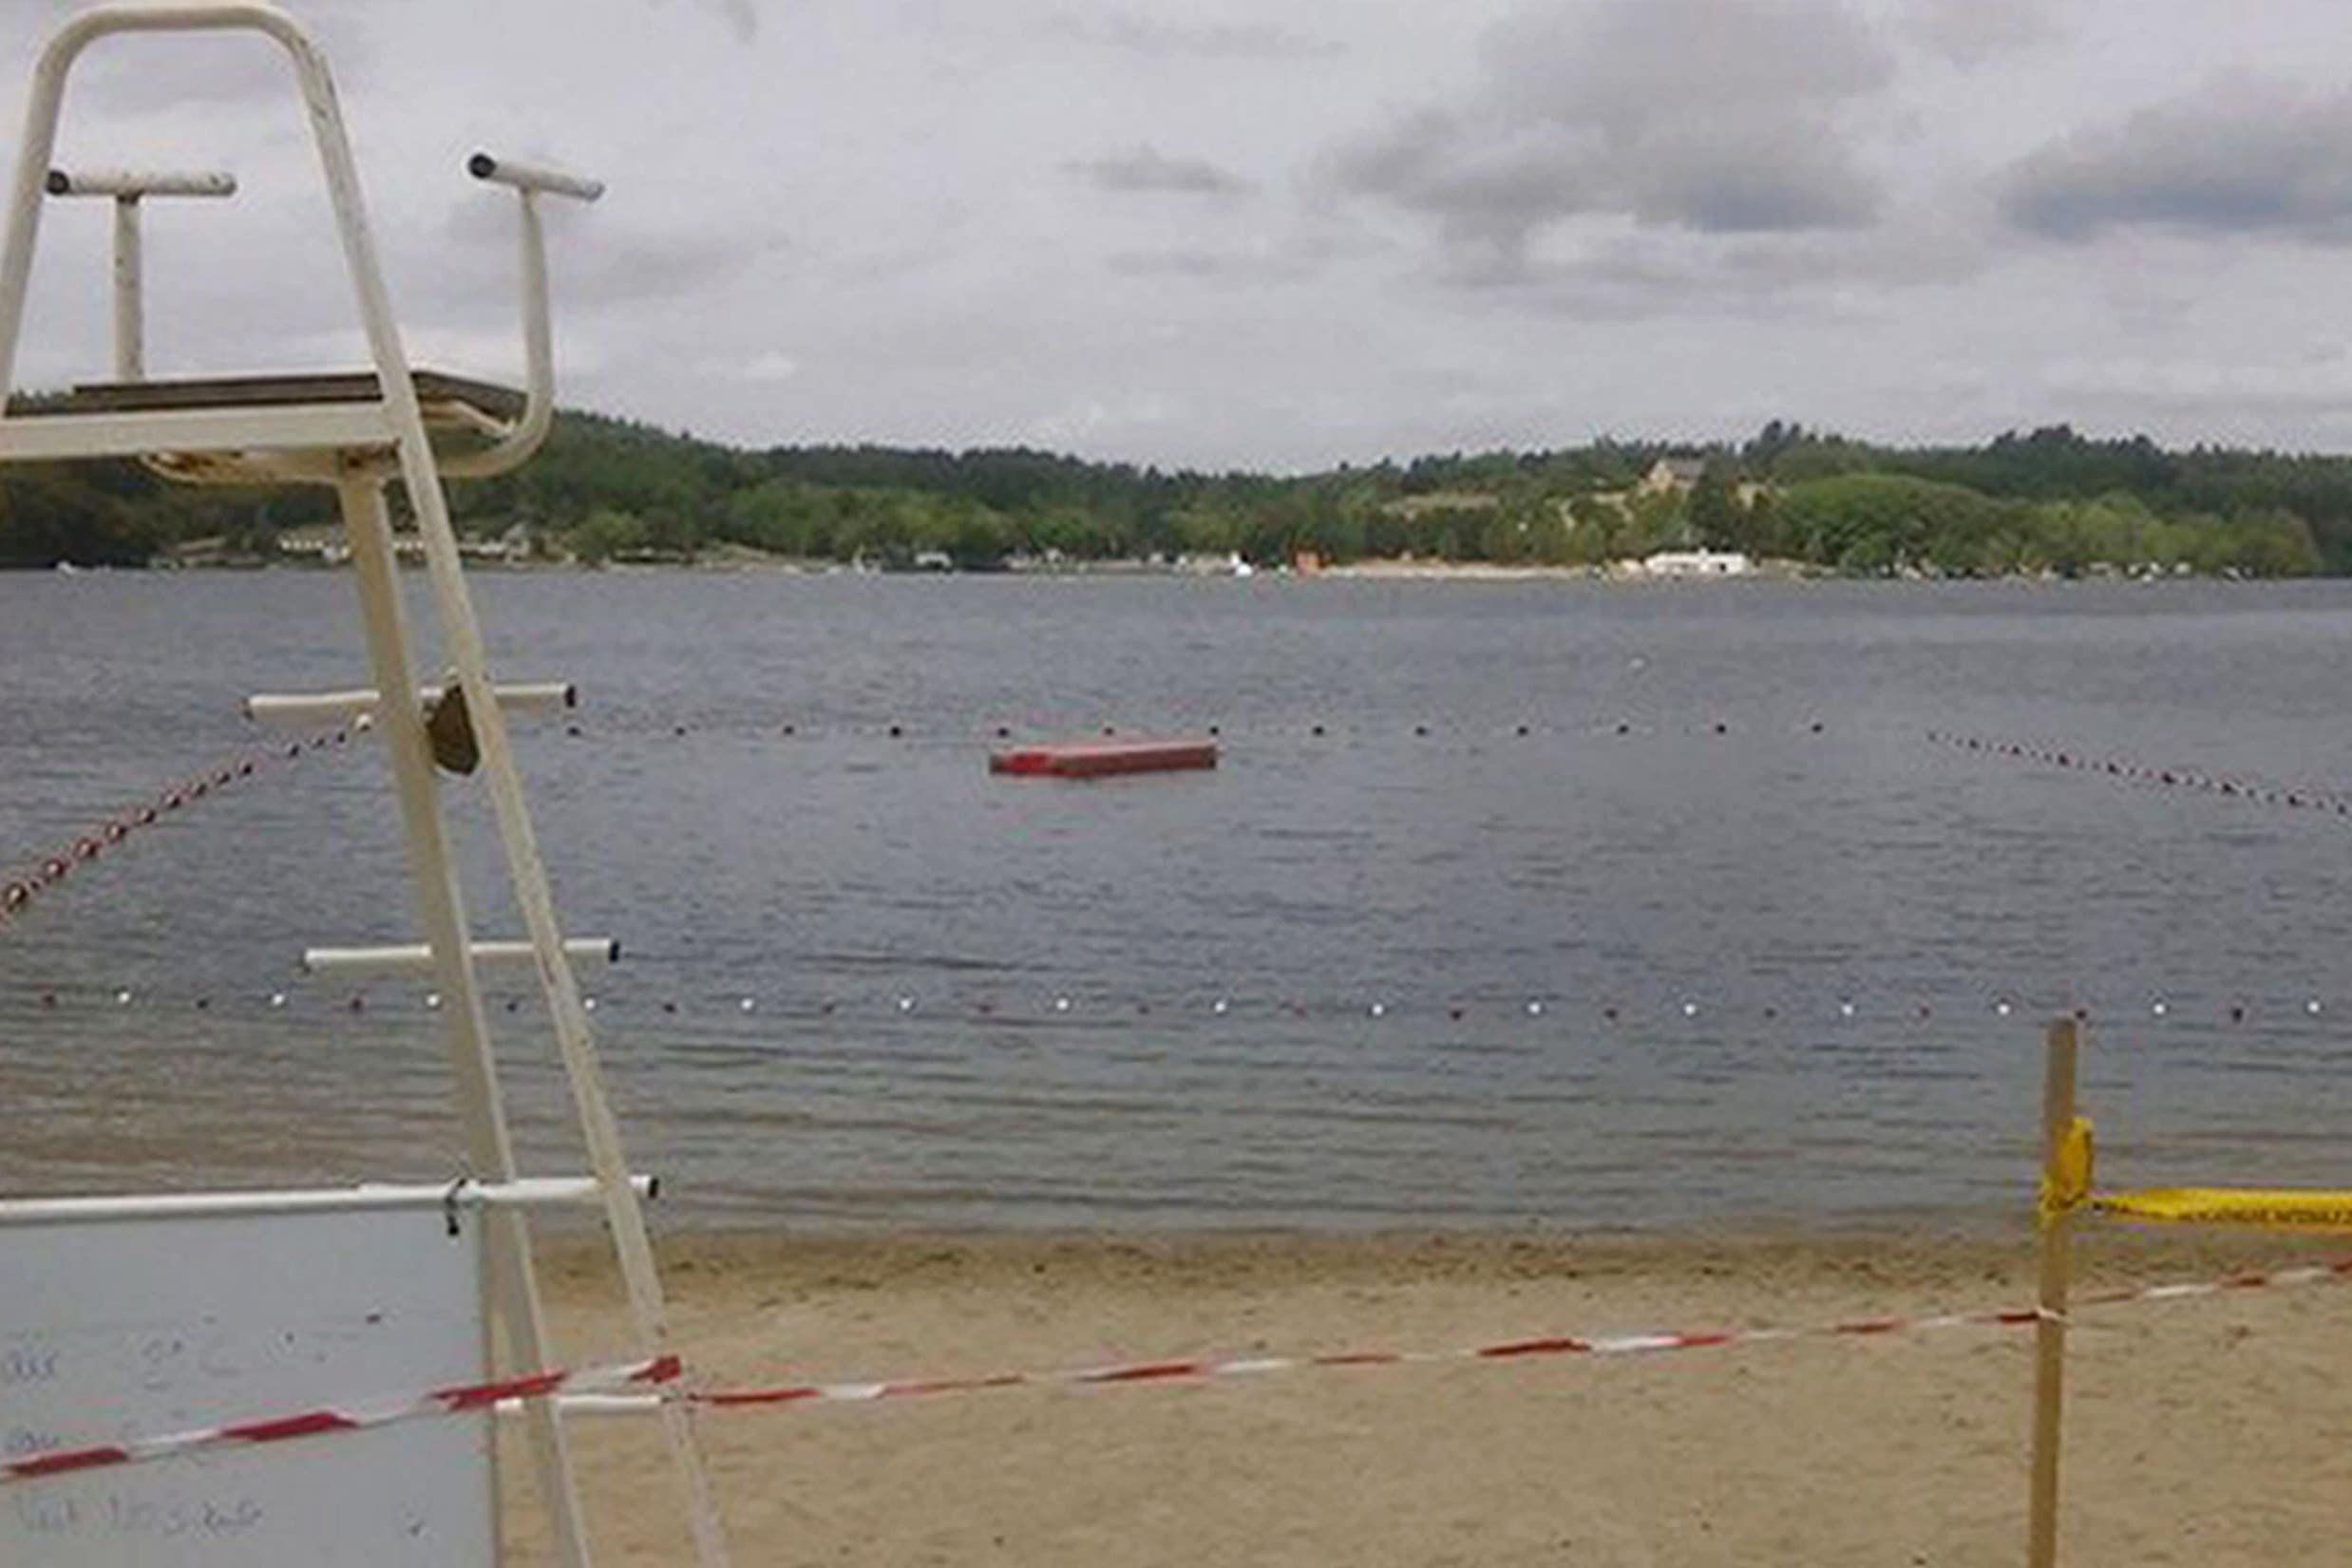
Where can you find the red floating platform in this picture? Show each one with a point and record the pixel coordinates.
(1101, 759)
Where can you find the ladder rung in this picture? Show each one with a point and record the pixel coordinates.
(342, 707)
(416, 958)
(516, 1191)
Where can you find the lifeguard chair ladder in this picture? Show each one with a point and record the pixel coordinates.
(357, 432)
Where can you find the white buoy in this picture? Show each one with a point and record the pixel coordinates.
(277, 999)
(1221, 1005)
(1846, 1010)
(1378, 1009)
(906, 1004)
(588, 1003)
(1535, 1010)
(432, 1000)
(122, 998)
(1061, 1004)
(746, 1005)
(1690, 1010)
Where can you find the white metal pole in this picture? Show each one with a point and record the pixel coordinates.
(514, 1287)
(320, 708)
(126, 188)
(524, 1192)
(418, 958)
(130, 347)
(537, 335)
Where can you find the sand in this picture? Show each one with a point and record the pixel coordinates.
(2213, 1431)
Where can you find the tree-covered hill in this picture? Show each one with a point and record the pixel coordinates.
(2050, 501)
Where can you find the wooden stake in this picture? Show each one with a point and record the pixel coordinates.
(2057, 1117)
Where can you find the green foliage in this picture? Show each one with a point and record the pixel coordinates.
(605, 489)
(606, 533)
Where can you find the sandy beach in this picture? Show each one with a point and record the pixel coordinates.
(2210, 1431)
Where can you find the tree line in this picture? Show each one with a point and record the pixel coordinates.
(2049, 501)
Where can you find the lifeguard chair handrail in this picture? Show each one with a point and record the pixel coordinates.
(539, 355)
(126, 189)
(33, 180)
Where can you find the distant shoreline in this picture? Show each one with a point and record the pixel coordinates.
(1394, 570)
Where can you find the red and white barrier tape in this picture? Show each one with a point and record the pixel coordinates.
(662, 1374)
(17, 893)
(1502, 1351)
(2175, 778)
(350, 1418)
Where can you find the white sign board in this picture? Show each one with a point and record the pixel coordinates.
(117, 1327)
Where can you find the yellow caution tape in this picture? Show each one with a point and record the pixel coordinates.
(2294, 1209)
(2066, 1185)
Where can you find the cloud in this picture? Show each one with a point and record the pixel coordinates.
(1146, 170)
(2206, 387)
(1225, 40)
(1973, 33)
(1210, 266)
(741, 16)
(2238, 158)
(1624, 272)
(1719, 118)
(770, 367)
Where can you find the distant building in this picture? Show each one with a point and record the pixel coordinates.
(1698, 563)
(323, 544)
(1672, 476)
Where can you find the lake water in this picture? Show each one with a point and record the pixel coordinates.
(1722, 937)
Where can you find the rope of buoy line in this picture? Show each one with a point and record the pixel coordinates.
(20, 891)
(1860, 1009)
(2293, 798)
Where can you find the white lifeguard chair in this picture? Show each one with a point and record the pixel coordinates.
(359, 432)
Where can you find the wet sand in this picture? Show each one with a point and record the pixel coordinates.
(2209, 1431)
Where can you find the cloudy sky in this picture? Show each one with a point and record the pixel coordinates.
(1212, 232)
